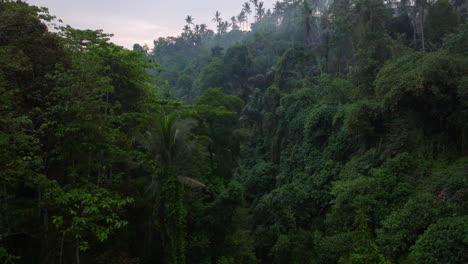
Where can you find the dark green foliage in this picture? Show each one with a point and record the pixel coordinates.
(372, 45)
(443, 242)
(455, 43)
(317, 136)
(261, 179)
(211, 75)
(400, 28)
(331, 248)
(401, 228)
(218, 115)
(237, 64)
(365, 250)
(442, 19)
(427, 84)
(295, 64)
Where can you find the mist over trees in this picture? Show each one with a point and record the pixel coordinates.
(309, 132)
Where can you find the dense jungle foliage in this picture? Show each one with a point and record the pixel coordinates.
(316, 132)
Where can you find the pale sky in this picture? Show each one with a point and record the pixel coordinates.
(140, 21)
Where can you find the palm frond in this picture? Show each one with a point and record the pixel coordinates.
(191, 183)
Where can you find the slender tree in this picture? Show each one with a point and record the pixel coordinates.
(234, 24)
(217, 17)
(259, 11)
(247, 10)
(418, 14)
(242, 18)
(186, 29)
(307, 17)
(167, 141)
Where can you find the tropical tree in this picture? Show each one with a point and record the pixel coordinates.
(197, 29)
(186, 30)
(167, 141)
(170, 137)
(234, 24)
(247, 10)
(278, 7)
(218, 20)
(418, 14)
(217, 17)
(189, 19)
(203, 28)
(242, 18)
(223, 27)
(442, 18)
(259, 11)
(255, 3)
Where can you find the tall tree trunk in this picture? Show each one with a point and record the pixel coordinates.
(77, 251)
(422, 28)
(61, 248)
(420, 6)
(171, 217)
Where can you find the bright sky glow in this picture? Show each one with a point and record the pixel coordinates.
(140, 21)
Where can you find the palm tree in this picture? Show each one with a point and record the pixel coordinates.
(247, 10)
(234, 23)
(167, 140)
(186, 30)
(259, 11)
(217, 17)
(218, 20)
(223, 27)
(241, 18)
(189, 20)
(278, 11)
(278, 8)
(254, 2)
(203, 28)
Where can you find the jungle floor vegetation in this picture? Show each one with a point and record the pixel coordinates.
(316, 132)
